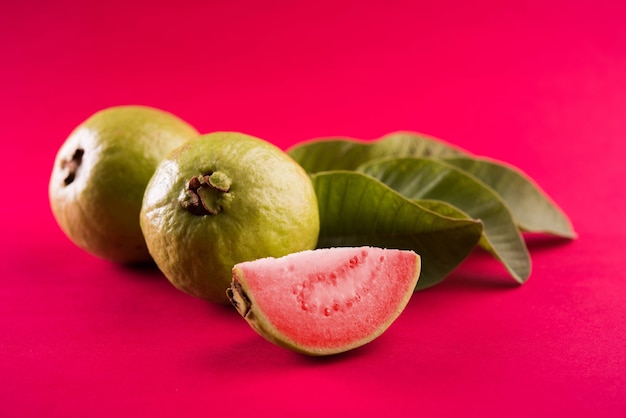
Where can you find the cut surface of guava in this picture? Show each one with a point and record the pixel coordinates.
(325, 301)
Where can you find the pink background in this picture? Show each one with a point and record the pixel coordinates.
(541, 85)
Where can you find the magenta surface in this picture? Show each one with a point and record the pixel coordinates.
(541, 85)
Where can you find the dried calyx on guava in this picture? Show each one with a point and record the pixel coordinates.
(100, 173)
(325, 301)
(224, 198)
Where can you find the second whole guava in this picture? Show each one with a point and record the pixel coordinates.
(221, 199)
(101, 171)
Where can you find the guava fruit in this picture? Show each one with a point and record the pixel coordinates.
(100, 173)
(325, 301)
(224, 198)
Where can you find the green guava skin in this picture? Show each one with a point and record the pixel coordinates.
(270, 209)
(98, 206)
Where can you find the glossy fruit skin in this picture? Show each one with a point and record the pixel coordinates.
(115, 152)
(269, 209)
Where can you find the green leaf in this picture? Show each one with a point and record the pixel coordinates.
(532, 208)
(442, 208)
(348, 153)
(421, 178)
(356, 209)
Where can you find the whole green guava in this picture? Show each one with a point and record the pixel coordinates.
(100, 174)
(221, 199)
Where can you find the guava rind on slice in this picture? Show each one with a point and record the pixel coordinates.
(325, 301)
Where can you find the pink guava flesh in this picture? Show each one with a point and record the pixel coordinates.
(327, 300)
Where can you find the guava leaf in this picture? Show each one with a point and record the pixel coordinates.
(356, 209)
(347, 153)
(422, 178)
(442, 208)
(532, 208)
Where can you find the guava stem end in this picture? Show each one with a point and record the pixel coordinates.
(72, 165)
(203, 193)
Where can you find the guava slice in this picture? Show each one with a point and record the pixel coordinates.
(325, 301)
